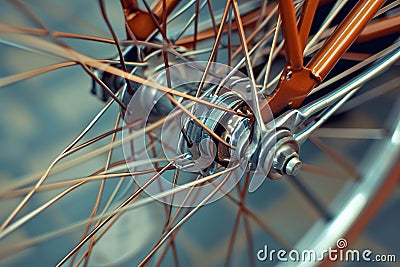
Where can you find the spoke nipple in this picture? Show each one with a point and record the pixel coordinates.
(293, 166)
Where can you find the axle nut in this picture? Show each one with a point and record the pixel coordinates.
(293, 166)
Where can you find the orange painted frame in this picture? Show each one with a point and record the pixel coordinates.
(296, 80)
(140, 23)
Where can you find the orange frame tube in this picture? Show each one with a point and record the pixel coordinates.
(343, 37)
(293, 49)
(297, 81)
(140, 22)
(306, 20)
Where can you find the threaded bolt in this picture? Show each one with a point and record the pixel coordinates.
(293, 166)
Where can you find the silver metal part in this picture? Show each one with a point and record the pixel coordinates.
(285, 150)
(286, 156)
(293, 166)
(199, 143)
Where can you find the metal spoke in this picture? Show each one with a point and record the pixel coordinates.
(271, 54)
(336, 157)
(186, 217)
(99, 195)
(106, 220)
(323, 171)
(369, 95)
(251, 214)
(260, 44)
(254, 93)
(311, 197)
(214, 49)
(190, 21)
(114, 35)
(351, 133)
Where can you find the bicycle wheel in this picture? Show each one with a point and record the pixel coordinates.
(101, 200)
